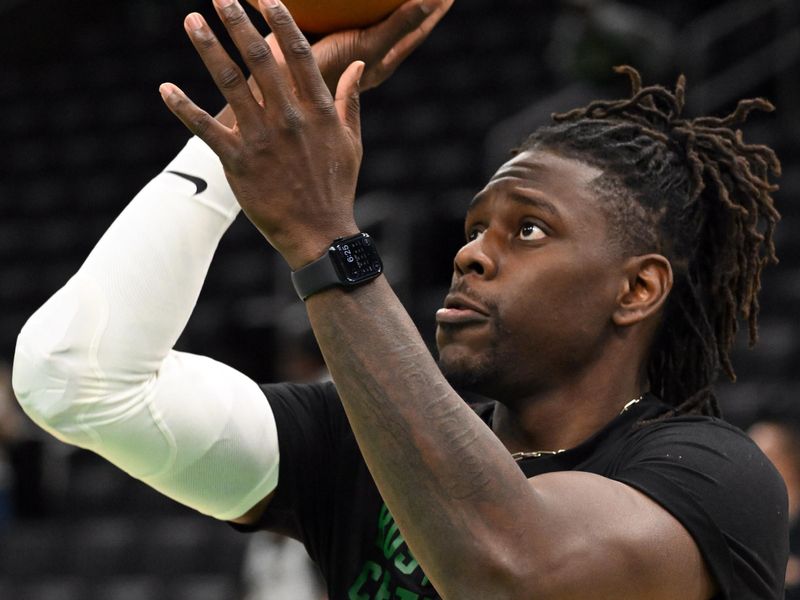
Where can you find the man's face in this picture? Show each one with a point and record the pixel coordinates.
(536, 283)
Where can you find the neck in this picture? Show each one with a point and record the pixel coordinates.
(563, 417)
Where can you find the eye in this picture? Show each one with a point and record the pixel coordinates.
(474, 233)
(531, 231)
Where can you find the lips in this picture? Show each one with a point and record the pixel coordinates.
(460, 310)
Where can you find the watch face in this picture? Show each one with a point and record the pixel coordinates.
(356, 258)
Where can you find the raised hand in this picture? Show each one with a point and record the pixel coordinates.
(292, 159)
(382, 47)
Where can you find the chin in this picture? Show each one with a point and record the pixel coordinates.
(483, 375)
(469, 376)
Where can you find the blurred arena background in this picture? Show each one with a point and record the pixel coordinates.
(82, 128)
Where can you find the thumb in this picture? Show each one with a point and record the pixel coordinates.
(348, 97)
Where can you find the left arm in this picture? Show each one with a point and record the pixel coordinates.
(471, 504)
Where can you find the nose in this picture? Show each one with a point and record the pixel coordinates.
(473, 257)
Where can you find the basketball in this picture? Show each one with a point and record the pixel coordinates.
(326, 16)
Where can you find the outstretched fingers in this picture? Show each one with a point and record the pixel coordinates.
(417, 20)
(218, 137)
(298, 55)
(257, 54)
(225, 72)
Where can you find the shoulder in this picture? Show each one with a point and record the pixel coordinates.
(706, 448)
(723, 490)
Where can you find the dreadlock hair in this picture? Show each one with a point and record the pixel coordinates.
(695, 192)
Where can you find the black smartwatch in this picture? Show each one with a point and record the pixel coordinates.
(350, 261)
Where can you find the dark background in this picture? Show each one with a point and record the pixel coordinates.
(83, 128)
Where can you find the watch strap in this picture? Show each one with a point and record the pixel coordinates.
(316, 276)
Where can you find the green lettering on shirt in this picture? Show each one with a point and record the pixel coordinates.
(383, 592)
(388, 541)
(370, 571)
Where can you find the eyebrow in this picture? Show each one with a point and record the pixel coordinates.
(520, 196)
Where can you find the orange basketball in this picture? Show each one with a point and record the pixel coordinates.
(325, 16)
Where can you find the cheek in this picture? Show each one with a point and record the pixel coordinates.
(560, 303)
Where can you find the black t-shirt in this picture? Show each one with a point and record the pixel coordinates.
(705, 472)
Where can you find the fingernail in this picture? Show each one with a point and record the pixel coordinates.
(194, 22)
(425, 7)
(166, 90)
(223, 3)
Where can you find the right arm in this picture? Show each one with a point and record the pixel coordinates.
(94, 365)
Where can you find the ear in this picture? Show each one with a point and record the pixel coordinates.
(645, 287)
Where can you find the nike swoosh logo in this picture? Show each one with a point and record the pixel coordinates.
(200, 183)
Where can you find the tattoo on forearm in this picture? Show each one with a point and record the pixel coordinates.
(379, 385)
(414, 431)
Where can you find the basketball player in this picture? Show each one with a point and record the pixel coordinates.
(595, 299)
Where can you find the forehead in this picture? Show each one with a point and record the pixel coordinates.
(557, 183)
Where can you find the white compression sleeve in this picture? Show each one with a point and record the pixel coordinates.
(94, 365)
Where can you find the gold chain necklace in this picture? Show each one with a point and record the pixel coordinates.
(518, 456)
